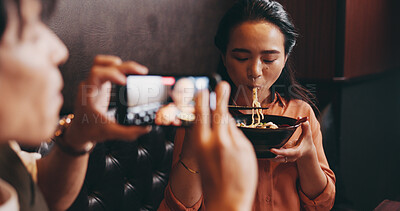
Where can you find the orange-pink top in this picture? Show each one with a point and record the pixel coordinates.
(278, 185)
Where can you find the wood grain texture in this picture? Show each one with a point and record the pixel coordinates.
(371, 37)
(314, 55)
(168, 36)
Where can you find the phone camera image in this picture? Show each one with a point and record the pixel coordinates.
(160, 100)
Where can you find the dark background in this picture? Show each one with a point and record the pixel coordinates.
(348, 55)
(167, 36)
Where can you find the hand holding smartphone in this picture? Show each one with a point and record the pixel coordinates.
(160, 100)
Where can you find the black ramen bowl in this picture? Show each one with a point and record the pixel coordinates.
(263, 139)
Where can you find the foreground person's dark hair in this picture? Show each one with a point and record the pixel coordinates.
(272, 12)
(47, 9)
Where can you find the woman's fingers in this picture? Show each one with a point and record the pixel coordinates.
(280, 159)
(286, 155)
(107, 60)
(111, 68)
(222, 91)
(202, 127)
(306, 132)
(131, 67)
(302, 146)
(291, 152)
(284, 159)
(237, 136)
(221, 116)
(94, 95)
(101, 74)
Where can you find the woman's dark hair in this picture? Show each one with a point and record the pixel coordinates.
(47, 9)
(4, 4)
(3, 17)
(272, 12)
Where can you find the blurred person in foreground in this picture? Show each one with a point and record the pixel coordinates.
(30, 89)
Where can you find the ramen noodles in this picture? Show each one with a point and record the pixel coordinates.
(264, 125)
(258, 111)
(256, 121)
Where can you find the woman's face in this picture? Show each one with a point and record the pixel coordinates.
(30, 81)
(254, 58)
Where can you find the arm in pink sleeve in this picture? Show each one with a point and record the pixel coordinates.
(326, 199)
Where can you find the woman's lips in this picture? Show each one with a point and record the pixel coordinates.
(251, 87)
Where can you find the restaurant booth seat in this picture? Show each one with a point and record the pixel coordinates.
(126, 175)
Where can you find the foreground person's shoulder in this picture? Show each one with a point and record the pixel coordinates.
(8, 197)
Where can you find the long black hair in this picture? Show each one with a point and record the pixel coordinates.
(272, 12)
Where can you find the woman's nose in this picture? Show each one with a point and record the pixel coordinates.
(59, 53)
(255, 69)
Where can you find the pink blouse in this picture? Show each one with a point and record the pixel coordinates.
(278, 185)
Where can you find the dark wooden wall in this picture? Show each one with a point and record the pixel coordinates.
(314, 54)
(371, 37)
(345, 39)
(168, 36)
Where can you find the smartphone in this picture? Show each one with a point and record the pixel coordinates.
(161, 99)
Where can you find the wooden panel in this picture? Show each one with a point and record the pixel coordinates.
(371, 37)
(314, 55)
(168, 36)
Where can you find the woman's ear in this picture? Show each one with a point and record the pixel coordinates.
(286, 57)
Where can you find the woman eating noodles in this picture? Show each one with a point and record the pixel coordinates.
(255, 39)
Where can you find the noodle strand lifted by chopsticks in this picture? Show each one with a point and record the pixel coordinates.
(260, 116)
(258, 111)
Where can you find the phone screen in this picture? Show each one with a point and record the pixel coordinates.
(160, 100)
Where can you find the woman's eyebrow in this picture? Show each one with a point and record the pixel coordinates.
(270, 52)
(242, 50)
